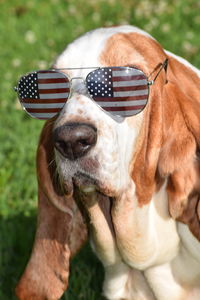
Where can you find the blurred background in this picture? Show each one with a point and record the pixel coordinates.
(32, 34)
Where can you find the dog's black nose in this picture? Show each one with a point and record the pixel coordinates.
(75, 139)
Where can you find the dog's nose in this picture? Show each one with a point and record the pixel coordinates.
(74, 140)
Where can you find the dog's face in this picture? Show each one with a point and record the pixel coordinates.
(94, 149)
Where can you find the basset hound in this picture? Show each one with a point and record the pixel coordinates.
(118, 163)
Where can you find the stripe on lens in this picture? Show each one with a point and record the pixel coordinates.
(129, 83)
(50, 75)
(114, 99)
(51, 96)
(124, 108)
(53, 85)
(126, 72)
(122, 103)
(45, 101)
(131, 93)
(43, 110)
(43, 105)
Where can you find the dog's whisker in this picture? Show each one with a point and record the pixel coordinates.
(51, 162)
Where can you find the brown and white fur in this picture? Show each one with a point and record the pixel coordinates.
(135, 193)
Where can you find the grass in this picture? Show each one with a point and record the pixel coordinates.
(32, 34)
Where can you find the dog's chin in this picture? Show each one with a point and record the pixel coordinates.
(83, 174)
(84, 181)
(87, 183)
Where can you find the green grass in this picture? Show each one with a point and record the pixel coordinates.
(32, 33)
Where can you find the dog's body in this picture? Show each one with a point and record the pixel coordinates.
(138, 185)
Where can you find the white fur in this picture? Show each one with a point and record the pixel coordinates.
(165, 254)
(146, 246)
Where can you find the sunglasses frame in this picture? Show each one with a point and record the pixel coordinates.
(161, 66)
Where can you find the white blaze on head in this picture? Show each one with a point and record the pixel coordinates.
(116, 137)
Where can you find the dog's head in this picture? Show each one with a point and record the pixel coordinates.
(93, 147)
(96, 150)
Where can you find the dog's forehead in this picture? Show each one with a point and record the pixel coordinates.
(96, 48)
(115, 46)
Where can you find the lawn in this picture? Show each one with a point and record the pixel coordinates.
(32, 34)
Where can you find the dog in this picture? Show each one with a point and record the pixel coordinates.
(125, 175)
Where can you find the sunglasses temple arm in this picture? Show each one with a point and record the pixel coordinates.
(163, 66)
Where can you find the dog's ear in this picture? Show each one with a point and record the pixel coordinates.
(168, 148)
(179, 159)
(191, 215)
(60, 231)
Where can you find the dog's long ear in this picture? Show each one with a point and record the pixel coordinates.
(60, 232)
(179, 157)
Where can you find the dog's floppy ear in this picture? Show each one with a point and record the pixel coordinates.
(179, 157)
(60, 231)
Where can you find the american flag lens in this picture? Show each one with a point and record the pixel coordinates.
(43, 93)
(121, 91)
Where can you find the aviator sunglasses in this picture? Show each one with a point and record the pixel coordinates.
(122, 91)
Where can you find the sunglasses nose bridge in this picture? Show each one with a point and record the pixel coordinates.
(78, 85)
(79, 77)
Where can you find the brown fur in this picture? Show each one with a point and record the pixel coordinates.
(59, 234)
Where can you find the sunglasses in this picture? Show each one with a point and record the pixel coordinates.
(122, 91)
